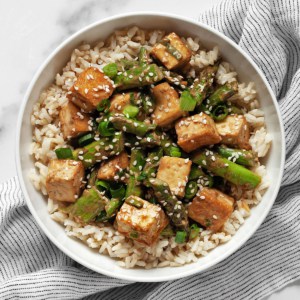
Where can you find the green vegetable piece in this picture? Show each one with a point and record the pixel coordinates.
(194, 231)
(150, 140)
(152, 163)
(102, 185)
(92, 178)
(134, 202)
(137, 162)
(64, 153)
(88, 206)
(118, 192)
(175, 79)
(201, 85)
(169, 147)
(130, 111)
(86, 139)
(219, 112)
(111, 70)
(222, 93)
(99, 150)
(173, 207)
(167, 231)
(191, 190)
(112, 206)
(104, 105)
(148, 104)
(106, 128)
(143, 56)
(187, 102)
(139, 76)
(226, 169)
(197, 173)
(240, 156)
(131, 126)
(180, 237)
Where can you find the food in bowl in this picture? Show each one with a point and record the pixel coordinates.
(149, 148)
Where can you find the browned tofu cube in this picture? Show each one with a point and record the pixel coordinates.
(73, 122)
(64, 179)
(196, 131)
(141, 224)
(172, 52)
(118, 102)
(211, 208)
(92, 86)
(175, 172)
(167, 108)
(111, 169)
(234, 131)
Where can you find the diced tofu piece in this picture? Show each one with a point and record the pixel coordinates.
(141, 224)
(196, 131)
(92, 86)
(172, 52)
(73, 122)
(175, 172)
(211, 208)
(167, 108)
(110, 169)
(119, 101)
(234, 131)
(64, 179)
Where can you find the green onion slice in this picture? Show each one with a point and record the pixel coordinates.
(106, 128)
(191, 190)
(194, 231)
(102, 185)
(64, 153)
(118, 192)
(131, 111)
(111, 70)
(187, 101)
(180, 237)
(86, 139)
(104, 105)
(220, 112)
(175, 152)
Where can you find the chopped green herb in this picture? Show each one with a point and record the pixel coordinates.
(64, 153)
(111, 70)
(180, 237)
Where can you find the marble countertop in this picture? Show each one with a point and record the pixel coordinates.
(29, 32)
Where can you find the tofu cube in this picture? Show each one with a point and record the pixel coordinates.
(167, 108)
(196, 131)
(172, 52)
(119, 101)
(64, 179)
(92, 86)
(175, 172)
(211, 208)
(141, 224)
(234, 131)
(73, 122)
(110, 169)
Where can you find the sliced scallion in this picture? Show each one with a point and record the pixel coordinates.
(104, 105)
(86, 139)
(105, 128)
(180, 237)
(187, 101)
(220, 112)
(175, 152)
(194, 231)
(111, 70)
(131, 111)
(64, 153)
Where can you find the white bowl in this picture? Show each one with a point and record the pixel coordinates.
(247, 71)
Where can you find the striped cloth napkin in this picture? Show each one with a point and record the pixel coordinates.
(32, 267)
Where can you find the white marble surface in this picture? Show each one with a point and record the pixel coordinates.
(31, 29)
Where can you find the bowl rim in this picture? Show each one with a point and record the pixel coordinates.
(124, 276)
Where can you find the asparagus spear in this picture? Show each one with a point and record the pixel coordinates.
(169, 147)
(92, 177)
(132, 126)
(191, 189)
(175, 79)
(222, 93)
(99, 150)
(197, 173)
(223, 167)
(152, 163)
(239, 156)
(148, 104)
(201, 85)
(134, 201)
(143, 56)
(150, 140)
(138, 76)
(112, 206)
(137, 161)
(88, 206)
(173, 207)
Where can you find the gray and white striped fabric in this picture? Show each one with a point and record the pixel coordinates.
(32, 267)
